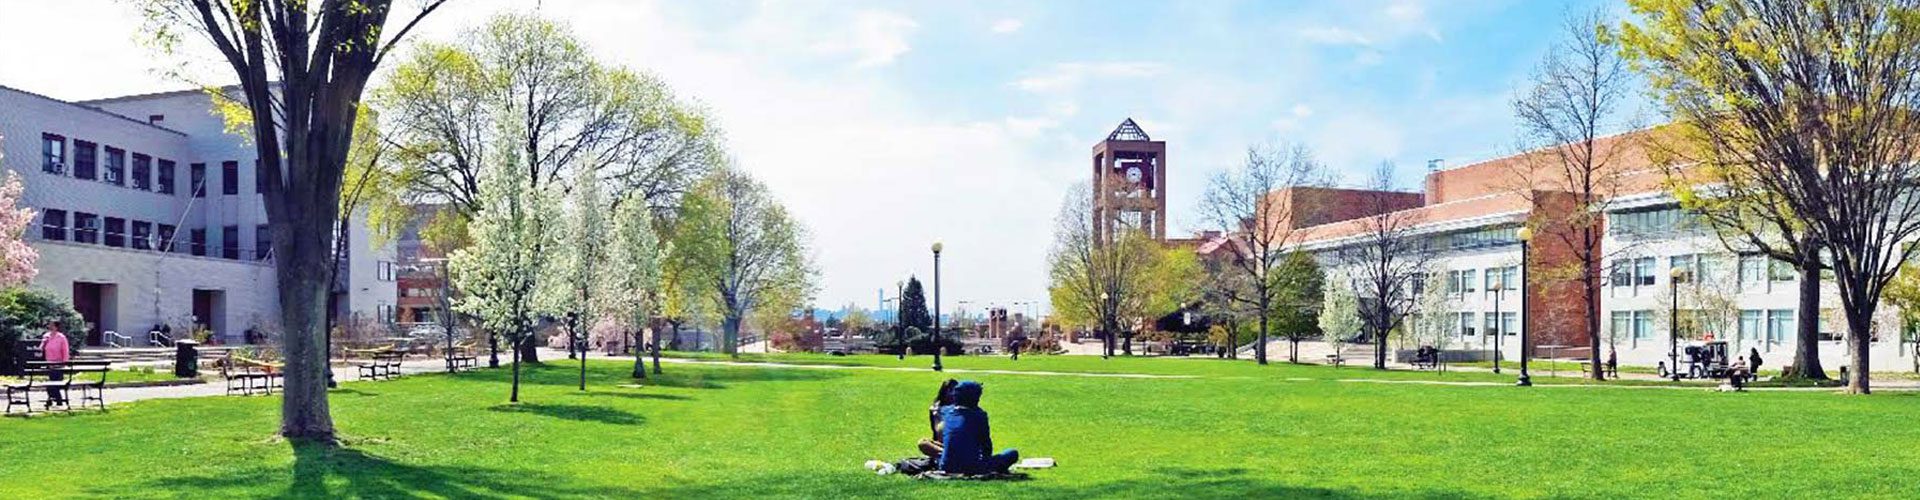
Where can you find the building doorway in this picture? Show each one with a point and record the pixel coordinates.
(94, 303)
(210, 311)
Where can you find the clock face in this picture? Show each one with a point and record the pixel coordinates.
(1133, 175)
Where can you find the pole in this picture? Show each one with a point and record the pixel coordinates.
(1526, 345)
(1673, 327)
(936, 308)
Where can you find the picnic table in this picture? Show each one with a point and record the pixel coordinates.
(41, 375)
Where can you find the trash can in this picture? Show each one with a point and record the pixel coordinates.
(186, 359)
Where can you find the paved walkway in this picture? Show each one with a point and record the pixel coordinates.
(345, 372)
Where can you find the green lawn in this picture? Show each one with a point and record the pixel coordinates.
(1234, 429)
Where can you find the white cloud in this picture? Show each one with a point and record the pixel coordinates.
(1330, 35)
(875, 39)
(1067, 76)
(1007, 25)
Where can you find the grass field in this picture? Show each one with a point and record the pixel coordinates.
(1231, 429)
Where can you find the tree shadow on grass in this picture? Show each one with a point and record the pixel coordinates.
(629, 395)
(718, 377)
(579, 413)
(327, 472)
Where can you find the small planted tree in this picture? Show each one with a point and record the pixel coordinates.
(500, 273)
(633, 277)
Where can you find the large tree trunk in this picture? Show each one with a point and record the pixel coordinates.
(1859, 374)
(1260, 349)
(304, 414)
(493, 349)
(730, 335)
(529, 347)
(1806, 349)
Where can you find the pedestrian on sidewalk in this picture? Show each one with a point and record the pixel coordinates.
(56, 350)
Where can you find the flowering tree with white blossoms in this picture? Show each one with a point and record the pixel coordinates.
(569, 291)
(632, 280)
(499, 273)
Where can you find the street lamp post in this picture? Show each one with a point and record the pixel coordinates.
(899, 326)
(1673, 321)
(936, 307)
(1106, 336)
(1525, 235)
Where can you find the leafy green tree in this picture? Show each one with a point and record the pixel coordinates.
(302, 66)
(24, 311)
(1299, 299)
(741, 251)
(1810, 106)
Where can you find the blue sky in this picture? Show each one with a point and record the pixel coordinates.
(888, 125)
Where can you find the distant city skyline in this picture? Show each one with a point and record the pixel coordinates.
(886, 126)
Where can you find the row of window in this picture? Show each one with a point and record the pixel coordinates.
(1507, 323)
(120, 232)
(1754, 325)
(1653, 222)
(1476, 239)
(1754, 270)
(1495, 278)
(148, 173)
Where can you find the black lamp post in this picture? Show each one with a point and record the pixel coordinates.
(899, 326)
(1106, 334)
(1525, 236)
(1499, 290)
(1673, 322)
(936, 306)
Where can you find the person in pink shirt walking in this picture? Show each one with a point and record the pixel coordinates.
(54, 345)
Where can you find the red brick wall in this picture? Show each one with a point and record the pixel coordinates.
(1557, 308)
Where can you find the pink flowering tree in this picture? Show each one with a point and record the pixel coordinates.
(16, 258)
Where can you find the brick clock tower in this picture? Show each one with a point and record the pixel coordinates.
(1129, 183)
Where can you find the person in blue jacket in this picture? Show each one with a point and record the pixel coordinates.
(966, 440)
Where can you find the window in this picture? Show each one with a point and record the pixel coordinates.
(165, 243)
(197, 241)
(1749, 329)
(1466, 280)
(1621, 324)
(1483, 238)
(166, 177)
(116, 232)
(1644, 223)
(1510, 323)
(142, 235)
(86, 228)
(1780, 270)
(384, 270)
(83, 157)
(1490, 280)
(1643, 325)
(262, 242)
(1453, 282)
(53, 154)
(230, 242)
(1689, 263)
(1643, 271)
(230, 177)
(1752, 270)
(1491, 323)
(1621, 274)
(116, 166)
(259, 179)
(142, 172)
(1466, 324)
(1510, 277)
(1417, 283)
(1780, 325)
(197, 175)
(53, 225)
(384, 312)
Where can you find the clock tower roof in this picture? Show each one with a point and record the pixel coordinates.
(1128, 131)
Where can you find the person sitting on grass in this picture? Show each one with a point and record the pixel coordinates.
(930, 445)
(966, 441)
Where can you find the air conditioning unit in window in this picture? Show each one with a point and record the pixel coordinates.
(56, 168)
(111, 177)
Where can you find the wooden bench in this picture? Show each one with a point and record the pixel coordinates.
(249, 374)
(461, 357)
(1336, 360)
(374, 367)
(21, 393)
